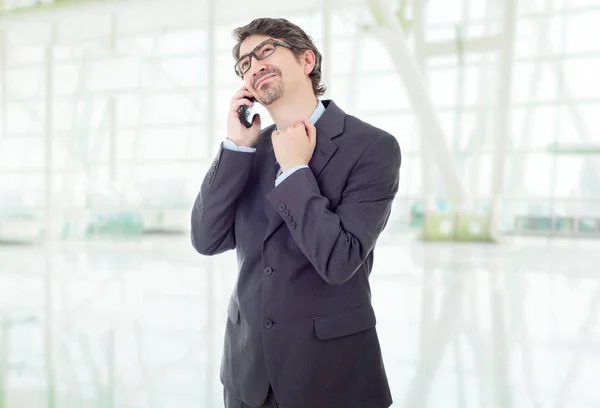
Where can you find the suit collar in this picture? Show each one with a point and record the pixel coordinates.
(329, 126)
(331, 122)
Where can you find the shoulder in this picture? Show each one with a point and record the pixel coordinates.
(354, 129)
(358, 132)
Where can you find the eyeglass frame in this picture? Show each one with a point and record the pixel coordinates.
(251, 54)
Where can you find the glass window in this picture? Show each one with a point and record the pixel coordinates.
(26, 82)
(24, 117)
(529, 175)
(374, 56)
(443, 87)
(583, 31)
(67, 78)
(534, 127)
(172, 108)
(182, 41)
(533, 81)
(21, 152)
(170, 73)
(411, 177)
(581, 116)
(24, 54)
(376, 93)
(444, 11)
(114, 74)
(164, 144)
(539, 36)
(580, 75)
(346, 55)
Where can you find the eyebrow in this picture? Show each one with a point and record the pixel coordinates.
(257, 45)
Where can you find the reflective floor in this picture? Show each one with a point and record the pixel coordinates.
(139, 323)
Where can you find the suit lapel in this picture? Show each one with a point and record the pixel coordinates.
(329, 126)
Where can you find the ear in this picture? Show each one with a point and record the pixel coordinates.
(309, 61)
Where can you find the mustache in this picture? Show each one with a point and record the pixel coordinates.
(264, 74)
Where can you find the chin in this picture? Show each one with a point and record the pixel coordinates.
(270, 94)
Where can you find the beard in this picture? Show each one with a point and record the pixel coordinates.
(271, 91)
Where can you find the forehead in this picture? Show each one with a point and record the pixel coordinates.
(249, 43)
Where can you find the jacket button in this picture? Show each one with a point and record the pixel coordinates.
(293, 224)
(268, 323)
(281, 207)
(286, 212)
(268, 271)
(289, 218)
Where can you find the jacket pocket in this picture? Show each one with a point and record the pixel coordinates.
(233, 311)
(345, 322)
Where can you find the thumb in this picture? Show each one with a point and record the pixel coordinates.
(311, 131)
(256, 120)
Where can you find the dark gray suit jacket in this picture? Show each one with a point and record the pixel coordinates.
(300, 316)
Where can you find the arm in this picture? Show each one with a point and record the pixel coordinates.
(213, 213)
(338, 243)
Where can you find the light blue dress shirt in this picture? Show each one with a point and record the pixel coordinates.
(228, 144)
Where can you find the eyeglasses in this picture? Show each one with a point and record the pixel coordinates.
(260, 52)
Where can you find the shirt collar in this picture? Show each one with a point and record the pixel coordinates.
(319, 110)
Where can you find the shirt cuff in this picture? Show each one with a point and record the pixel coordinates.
(288, 173)
(228, 144)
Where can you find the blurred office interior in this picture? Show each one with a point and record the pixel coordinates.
(486, 281)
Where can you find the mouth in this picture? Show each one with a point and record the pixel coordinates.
(263, 79)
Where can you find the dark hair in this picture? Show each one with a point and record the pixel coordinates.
(291, 34)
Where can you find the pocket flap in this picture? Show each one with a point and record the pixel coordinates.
(233, 311)
(345, 322)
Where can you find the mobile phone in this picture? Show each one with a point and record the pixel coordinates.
(244, 113)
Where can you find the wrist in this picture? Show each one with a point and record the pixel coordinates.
(241, 144)
(288, 167)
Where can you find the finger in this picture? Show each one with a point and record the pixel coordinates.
(242, 95)
(243, 91)
(256, 120)
(237, 103)
(311, 131)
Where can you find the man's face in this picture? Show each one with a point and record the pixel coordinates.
(269, 78)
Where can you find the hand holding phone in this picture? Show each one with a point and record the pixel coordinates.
(245, 112)
(242, 130)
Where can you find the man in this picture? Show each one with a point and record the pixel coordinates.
(302, 202)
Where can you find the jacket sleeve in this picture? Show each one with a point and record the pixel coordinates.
(338, 243)
(213, 213)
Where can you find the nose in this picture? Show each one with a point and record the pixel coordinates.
(257, 66)
(257, 71)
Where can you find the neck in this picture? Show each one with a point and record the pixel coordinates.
(287, 111)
